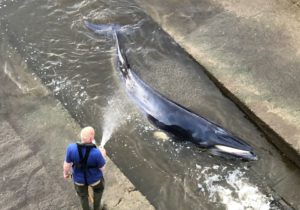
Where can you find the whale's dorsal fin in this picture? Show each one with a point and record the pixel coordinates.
(122, 59)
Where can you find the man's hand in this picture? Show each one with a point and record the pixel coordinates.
(67, 170)
(67, 176)
(103, 151)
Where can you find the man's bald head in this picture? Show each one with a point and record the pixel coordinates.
(87, 134)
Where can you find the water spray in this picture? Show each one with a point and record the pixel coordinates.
(107, 132)
(113, 117)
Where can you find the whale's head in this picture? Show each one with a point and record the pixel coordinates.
(230, 146)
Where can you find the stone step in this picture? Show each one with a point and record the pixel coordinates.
(25, 183)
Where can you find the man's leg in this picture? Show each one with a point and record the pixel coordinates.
(98, 191)
(82, 192)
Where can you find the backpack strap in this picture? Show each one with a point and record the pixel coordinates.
(82, 165)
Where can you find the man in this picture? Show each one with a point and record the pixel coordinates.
(87, 163)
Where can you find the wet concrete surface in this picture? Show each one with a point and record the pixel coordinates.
(34, 132)
(250, 49)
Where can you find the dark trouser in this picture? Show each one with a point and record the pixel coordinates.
(82, 192)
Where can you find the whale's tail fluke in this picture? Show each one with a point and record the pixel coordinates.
(101, 28)
(123, 64)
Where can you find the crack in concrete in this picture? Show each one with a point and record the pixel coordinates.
(34, 171)
(118, 203)
(15, 162)
(131, 189)
(128, 190)
(295, 3)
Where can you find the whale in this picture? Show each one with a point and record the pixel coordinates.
(174, 118)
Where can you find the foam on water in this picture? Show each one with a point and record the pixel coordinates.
(232, 189)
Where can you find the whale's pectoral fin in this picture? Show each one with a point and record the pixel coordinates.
(229, 152)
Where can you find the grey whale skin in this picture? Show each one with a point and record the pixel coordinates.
(174, 118)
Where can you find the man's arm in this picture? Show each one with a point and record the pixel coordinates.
(103, 153)
(67, 170)
(68, 163)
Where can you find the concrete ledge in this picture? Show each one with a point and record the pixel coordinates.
(34, 132)
(249, 50)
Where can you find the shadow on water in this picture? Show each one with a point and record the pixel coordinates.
(79, 68)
